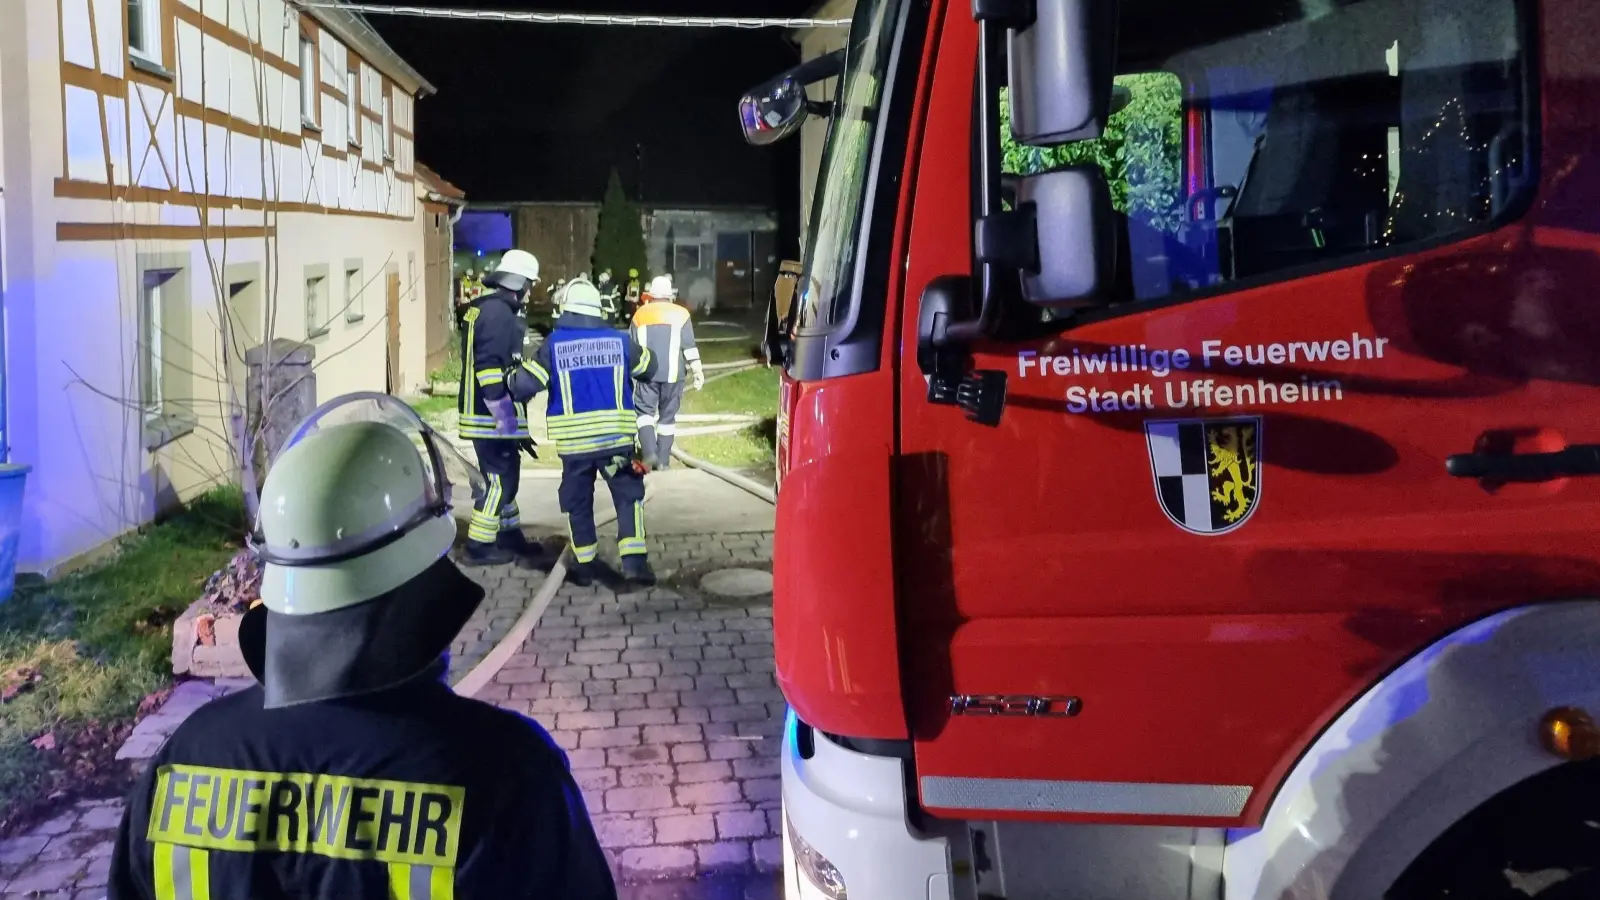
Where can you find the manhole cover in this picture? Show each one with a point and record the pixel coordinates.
(737, 582)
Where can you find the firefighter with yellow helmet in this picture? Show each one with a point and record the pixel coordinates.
(352, 769)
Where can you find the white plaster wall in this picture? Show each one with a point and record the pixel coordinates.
(71, 307)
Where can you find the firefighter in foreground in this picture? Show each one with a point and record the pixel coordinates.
(352, 769)
(663, 327)
(491, 344)
(589, 368)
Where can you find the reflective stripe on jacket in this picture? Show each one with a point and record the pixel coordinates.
(491, 343)
(664, 328)
(589, 369)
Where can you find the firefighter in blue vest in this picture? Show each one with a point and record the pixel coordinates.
(492, 333)
(588, 367)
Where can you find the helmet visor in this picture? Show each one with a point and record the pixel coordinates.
(448, 479)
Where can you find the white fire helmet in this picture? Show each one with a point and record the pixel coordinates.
(661, 288)
(516, 270)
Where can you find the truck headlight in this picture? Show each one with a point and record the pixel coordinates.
(821, 873)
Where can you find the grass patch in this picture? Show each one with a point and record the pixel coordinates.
(96, 642)
(451, 370)
(438, 410)
(751, 448)
(751, 393)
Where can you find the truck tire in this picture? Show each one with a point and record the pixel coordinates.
(1540, 838)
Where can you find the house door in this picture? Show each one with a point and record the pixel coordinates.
(393, 386)
(733, 270)
(763, 265)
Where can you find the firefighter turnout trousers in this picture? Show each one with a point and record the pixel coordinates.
(496, 511)
(577, 501)
(657, 405)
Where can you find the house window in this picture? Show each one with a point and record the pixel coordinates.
(144, 29)
(355, 301)
(352, 108)
(308, 82)
(316, 301)
(165, 394)
(685, 257)
(388, 131)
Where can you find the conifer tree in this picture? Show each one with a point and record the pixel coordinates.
(619, 241)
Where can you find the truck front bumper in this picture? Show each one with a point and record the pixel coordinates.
(845, 823)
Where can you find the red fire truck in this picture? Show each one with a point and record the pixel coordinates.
(1187, 449)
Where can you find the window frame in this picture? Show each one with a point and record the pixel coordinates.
(165, 279)
(699, 255)
(310, 81)
(355, 306)
(149, 29)
(388, 123)
(352, 105)
(1058, 322)
(316, 275)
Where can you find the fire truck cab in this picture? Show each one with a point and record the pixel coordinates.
(1187, 451)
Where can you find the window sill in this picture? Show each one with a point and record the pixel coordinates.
(163, 430)
(355, 318)
(355, 144)
(320, 332)
(149, 66)
(308, 125)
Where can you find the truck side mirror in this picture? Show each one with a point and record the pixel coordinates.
(1061, 70)
(1074, 222)
(772, 111)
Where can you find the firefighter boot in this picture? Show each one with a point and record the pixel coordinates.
(528, 553)
(647, 447)
(580, 574)
(664, 449)
(481, 554)
(637, 570)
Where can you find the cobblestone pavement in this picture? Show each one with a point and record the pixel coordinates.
(509, 591)
(66, 858)
(665, 702)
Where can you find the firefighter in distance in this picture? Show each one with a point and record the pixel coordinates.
(352, 769)
(589, 369)
(664, 328)
(491, 345)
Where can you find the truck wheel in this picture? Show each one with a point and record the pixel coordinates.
(1540, 838)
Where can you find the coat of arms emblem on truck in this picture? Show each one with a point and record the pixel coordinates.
(1207, 471)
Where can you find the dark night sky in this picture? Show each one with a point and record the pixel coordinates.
(542, 112)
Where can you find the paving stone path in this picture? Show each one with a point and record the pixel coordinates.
(66, 858)
(509, 591)
(665, 702)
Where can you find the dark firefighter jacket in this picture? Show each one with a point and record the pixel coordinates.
(491, 343)
(411, 793)
(589, 368)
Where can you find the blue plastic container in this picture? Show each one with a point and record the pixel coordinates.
(12, 479)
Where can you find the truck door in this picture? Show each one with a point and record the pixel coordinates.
(1218, 507)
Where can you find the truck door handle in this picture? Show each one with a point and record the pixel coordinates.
(1579, 459)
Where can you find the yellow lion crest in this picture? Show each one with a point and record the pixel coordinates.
(1233, 462)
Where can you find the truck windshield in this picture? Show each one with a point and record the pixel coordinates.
(841, 194)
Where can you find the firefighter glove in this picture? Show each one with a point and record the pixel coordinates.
(504, 411)
(698, 374)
